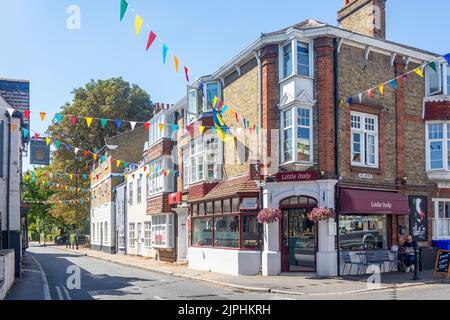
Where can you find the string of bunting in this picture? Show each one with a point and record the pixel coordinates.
(394, 82)
(76, 201)
(58, 186)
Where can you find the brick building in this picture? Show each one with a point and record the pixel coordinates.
(106, 175)
(376, 162)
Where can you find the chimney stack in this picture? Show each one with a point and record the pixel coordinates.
(367, 17)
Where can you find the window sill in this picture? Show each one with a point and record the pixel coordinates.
(294, 76)
(362, 169)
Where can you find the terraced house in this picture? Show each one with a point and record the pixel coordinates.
(376, 161)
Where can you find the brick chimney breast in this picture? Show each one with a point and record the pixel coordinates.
(367, 17)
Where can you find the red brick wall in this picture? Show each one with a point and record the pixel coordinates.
(437, 110)
(324, 49)
(164, 147)
(269, 96)
(158, 204)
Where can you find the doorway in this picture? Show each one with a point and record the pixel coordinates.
(298, 235)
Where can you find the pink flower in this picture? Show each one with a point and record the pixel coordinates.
(269, 215)
(321, 214)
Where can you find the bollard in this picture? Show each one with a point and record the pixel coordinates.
(416, 265)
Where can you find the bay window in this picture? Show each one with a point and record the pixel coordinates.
(297, 131)
(202, 160)
(162, 230)
(155, 132)
(287, 60)
(225, 225)
(303, 59)
(212, 90)
(158, 181)
(364, 140)
(438, 146)
(295, 59)
(199, 101)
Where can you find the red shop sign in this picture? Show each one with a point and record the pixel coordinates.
(297, 176)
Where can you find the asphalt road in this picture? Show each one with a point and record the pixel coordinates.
(49, 274)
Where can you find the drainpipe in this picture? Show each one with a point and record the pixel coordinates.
(8, 185)
(336, 143)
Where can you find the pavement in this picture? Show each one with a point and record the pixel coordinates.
(296, 284)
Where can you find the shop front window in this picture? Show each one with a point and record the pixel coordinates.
(250, 232)
(226, 232)
(363, 232)
(202, 232)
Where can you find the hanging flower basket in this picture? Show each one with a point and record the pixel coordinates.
(269, 215)
(321, 214)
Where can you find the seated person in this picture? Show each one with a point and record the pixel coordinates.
(408, 253)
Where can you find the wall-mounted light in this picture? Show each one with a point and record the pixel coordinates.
(404, 180)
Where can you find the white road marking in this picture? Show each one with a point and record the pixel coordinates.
(158, 298)
(47, 295)
(59, 293)
(67, 293)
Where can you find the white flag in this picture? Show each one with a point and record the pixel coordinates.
(133, 124)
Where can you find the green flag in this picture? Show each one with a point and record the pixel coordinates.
(123, 8)
(103, 122)
(433, 65)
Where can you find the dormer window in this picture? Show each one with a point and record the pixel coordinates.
(200, 102)
(212, 90)
(296, 55)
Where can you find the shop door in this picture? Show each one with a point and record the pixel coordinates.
(298, 239)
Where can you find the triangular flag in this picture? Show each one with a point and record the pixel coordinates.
(165, 53)
(151, 38)
(68, 147)
(118, 124)
(123, 8)
(174, 128)
(447, 58)
(215, 102)
(202, 89)
(94, 155)
(186, 72)
(118, 163)
(147, 126)
(161, 127)
(71, 176)
(74, 120)
(132, 124)
(58, 118)
(225, 108)
(405, 78)
(43, 114)
(360, 95)
(176, 62)
(381, 88)
(369, 93)
(350, 101)
(88, 121)
(85, 153)
(419, 72)
(36, 136)
(201, 129)
(48, 140)
(76, 150)
(10, 111)
(58, 144)
(103, 123)
(393, 84)
(27, 113)
(25, 133)
(432, 65)
(138, 24)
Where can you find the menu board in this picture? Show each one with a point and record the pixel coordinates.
(443, 262)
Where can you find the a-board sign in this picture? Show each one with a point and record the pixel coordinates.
(443, 263)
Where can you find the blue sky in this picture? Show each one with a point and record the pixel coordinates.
(36, 45)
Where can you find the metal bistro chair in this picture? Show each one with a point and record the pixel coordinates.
(393, 262)
(348, 261)
(378, 258)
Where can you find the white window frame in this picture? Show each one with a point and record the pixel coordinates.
(139, 190)
(157, 182)
(363, 133)
(105, 236)
(147, 234)
(165, 228)
(445, 141)
(206, 107)
(132, 234)
(295, 126)
(294, 53)
(436, 219)
(130, 193)
(444, 85)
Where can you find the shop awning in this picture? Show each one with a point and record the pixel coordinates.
(372, 202)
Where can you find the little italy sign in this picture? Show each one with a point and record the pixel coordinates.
(297, 176)
(378, 205)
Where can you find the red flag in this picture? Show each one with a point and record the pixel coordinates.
(151, 38)
(36, 136)
(85, 153)
(147, 126)
(369, 93)
(236, 116)
(145, 168)
(26, 113)
(220, 105)
(186, 72)
(74, 120)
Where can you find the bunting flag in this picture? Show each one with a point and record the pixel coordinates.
(174, 128)
(138, 24)
(74, 120)
(94, 155)
(85, 153)
(224, 109)
(147, 126)
(27, 113)
(215, 102)
(360, 95)
(103, 123)
(161, 127)
(186, 72)
(447, 58)
(165, 53)
(123, 8)
(57, 144)
(117, 163)
(76, 150)
(10, 111)
(221, 129)
(381, 89)
(89, 122)
(48, 140)
(58, 118)
(118, 124)
(394, 84)
(419, 72)
(433, 66)
(405, 78)
(25, 133)
(201, 129)
(36, 136)
(151, 39)
(176, 62)
(43, 114)
(370, 93)
(132, 124)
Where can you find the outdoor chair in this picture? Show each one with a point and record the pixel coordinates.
(393, 260)
(348, 261)
(377, 257)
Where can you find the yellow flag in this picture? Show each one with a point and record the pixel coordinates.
(48, 140)
(138, 24)
(94, 155)
(175, 60)
(71, 176)
(161, 127)
(381, 89)
(419, 72)
(89, 121)
(202, 129)
(118, 163)
(43, 114)
(215, 102)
